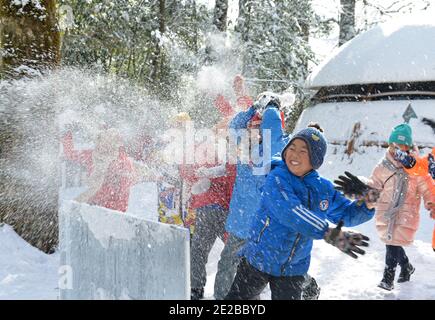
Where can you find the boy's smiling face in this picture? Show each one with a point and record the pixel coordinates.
(297, 158)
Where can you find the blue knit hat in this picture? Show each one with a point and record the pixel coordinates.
(401, 134)
(316, 143)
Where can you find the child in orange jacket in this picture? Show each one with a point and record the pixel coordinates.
(420, 166)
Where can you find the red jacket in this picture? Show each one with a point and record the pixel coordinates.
(220, 191)
(114, 190)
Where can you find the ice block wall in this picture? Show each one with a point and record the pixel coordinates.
(107, 254)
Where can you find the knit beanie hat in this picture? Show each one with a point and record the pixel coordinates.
(401, 134)
(316, 143)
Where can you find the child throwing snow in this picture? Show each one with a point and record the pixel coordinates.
(295, 204)
(246, 196)
(398, 206)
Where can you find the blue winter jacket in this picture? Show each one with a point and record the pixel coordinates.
(246, 195)
(292, 213)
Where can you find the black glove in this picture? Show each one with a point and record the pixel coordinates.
(346, 241)
(404, 158)
(431, 167)
(353, 187)
(265, 101)
(429, 122)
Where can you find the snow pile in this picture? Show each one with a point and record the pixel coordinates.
(25, 272)
(379, 55)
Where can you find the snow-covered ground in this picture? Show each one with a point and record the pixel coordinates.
(27, 273)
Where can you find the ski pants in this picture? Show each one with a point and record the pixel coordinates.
(249, 283)
(227, 266)
(209, 225)
(395, 255)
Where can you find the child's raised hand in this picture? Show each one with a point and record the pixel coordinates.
(352, 187)
(404, 158)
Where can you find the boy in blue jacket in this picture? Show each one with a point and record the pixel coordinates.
(246, 195)
(294, 207)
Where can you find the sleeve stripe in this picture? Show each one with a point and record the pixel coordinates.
(305, 219)
(284, 194)
(302, 212)
(323, 223)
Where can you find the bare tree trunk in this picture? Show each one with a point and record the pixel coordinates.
(220, 15)
(243, 25)
(305, 33)
(347, 21)
(157, 55)
(243, 20)
(195, 19)
(29, 36)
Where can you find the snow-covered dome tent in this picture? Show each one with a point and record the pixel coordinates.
(364, 88)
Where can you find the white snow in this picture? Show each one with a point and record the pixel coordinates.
(377, 119)
(25, 272)
(117, 227)
(397, 51)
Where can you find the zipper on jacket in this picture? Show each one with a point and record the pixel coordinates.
(292, 252)
(298, 238)
(266, 224)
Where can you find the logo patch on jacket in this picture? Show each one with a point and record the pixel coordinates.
(324, 205)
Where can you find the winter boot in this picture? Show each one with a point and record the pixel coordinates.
(405, 272)
(196, 293)
(388, 279)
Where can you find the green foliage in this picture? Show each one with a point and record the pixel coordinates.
(123, 37)
(275, 46)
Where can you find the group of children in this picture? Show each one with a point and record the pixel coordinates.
(268, 221)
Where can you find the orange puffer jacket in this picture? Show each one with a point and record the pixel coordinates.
(421, 169)
(400, 227)
(421, 166)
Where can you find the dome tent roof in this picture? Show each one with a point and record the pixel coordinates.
(388, 53)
